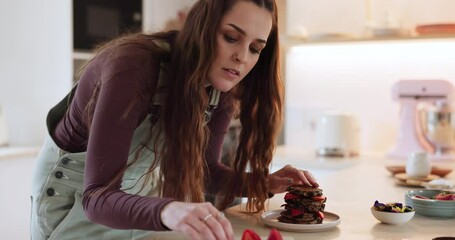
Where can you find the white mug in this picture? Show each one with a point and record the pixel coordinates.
(418, 165)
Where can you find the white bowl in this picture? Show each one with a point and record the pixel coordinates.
(393, 218)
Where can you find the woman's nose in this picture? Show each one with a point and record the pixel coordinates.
(241, 56)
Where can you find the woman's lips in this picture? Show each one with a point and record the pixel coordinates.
(232, 73)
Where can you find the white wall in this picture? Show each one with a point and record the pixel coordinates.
(36, 59)
(357, 77)
(158, 12)
(35, 64)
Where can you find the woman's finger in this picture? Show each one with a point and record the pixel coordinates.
(305, 177)
(219, 225)
(311, 179)
(190, 232)
(229, 232)
(202, 228)
(215, 225)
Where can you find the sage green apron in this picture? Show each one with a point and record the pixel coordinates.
(57, 212)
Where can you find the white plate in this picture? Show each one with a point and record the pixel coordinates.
(269, 218)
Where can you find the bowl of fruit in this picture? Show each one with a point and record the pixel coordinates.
(432, 203)
(392, 213)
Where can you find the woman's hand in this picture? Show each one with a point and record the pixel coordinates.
(281, 179)
(197, 220)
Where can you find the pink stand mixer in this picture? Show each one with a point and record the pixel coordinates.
(427, 119)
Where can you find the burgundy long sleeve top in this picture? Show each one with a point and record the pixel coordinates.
(123, 74)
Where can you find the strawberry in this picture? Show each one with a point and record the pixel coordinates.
(319, 198)
(445, 196)
(290, 196)
(296, 212)
(249, 234)
(421, 197)
(321, 215)
(274, 235)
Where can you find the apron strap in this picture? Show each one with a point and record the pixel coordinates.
(213, 103)
(58, 111)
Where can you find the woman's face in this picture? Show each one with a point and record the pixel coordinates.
(241, 36)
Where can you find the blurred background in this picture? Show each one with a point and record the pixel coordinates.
(357, 46)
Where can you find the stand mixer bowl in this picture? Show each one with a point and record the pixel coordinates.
(438, 127)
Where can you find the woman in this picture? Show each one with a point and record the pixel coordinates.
(137, 144)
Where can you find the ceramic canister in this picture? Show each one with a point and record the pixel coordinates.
(337, 134)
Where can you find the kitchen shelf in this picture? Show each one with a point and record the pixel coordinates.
(293, 41)
(82, 55)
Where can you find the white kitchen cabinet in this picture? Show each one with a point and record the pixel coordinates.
(16, 168)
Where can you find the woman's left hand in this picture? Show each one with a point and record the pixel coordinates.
(288, 175)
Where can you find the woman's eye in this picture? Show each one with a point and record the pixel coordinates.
(255, 50)
(229, 38)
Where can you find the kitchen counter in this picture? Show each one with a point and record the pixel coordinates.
(10, 152)
(351, 186)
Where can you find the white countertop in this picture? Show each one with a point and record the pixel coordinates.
(10, 152)
(351, 186)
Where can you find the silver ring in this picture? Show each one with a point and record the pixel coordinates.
(207, 217)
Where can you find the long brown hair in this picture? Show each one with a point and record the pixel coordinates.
(261, 109)
(260, 93)
(259, 97)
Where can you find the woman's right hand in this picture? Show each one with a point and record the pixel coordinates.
(197, 220)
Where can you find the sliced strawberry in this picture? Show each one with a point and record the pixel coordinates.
(274, 235)
(290, 196)
(321, 215)
(421, 197)
(249, 234)
(445, 197)
(296, 212)
(319, 198)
